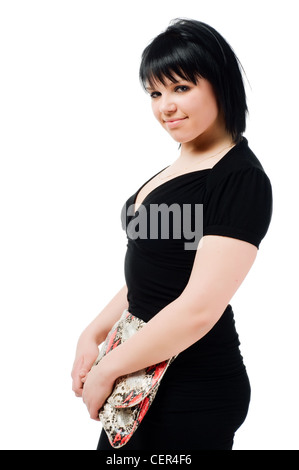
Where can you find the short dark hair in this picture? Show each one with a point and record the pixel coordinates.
(192, 49)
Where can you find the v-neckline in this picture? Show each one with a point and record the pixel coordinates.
(162, 184)
(225, 156)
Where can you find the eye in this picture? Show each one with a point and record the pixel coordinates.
(182, 88)
(155, 94)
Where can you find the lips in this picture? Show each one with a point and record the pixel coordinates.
(173, 122)
(173, 119)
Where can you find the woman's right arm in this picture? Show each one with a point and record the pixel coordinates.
(87, 347)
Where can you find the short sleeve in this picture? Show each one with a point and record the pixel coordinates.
(239, 205)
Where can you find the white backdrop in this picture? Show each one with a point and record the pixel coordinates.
(77, 139)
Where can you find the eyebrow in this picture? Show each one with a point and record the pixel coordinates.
(149, 88)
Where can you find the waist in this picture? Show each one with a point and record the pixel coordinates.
(216, 355)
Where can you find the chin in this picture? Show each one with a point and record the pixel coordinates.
(183, 139)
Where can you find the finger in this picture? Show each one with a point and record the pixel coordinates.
(77, 387)
(91, 407)
(83, 373)
(78, 381)
(78, 393)
(94, 414)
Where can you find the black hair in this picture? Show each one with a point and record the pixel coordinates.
(191, 50)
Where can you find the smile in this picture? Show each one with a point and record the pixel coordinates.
(174, 122)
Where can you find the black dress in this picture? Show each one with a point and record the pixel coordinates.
(204, 396)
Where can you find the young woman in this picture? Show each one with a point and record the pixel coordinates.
(197, 94)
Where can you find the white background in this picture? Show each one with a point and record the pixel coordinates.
(77, 139)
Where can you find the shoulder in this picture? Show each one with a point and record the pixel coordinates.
(238, 198)
(237, 165)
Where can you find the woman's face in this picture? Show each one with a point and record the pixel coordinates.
(185, 110)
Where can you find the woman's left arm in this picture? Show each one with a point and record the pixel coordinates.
(220, 266)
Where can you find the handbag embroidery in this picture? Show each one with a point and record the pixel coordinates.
(133, 393)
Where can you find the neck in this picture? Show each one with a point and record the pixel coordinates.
(208, 143)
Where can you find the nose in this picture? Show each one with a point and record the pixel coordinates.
(167, 105)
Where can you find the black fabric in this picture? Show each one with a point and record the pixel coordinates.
(237, 202)
(202, 400)
(238, 199)
(205, 393)
(224, 409)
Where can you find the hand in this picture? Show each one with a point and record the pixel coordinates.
(87, 353)
(97, 388)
